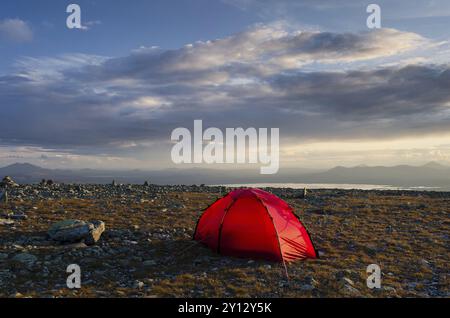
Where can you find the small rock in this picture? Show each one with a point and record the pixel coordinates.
(4, 197)
(6, 222)
(8, 182)
(307, 287)
(390, 289)
(139, 284)
(351, 290)
(18, 217)
(75, 245)
(96, 229)
(149, 263)
(349, 281)
(26, 259)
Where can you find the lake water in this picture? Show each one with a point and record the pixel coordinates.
(343, 186)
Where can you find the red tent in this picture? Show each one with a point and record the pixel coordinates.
(253, 223)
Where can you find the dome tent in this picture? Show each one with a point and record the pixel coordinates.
(253, 223)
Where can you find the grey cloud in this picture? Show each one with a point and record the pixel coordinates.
(364, 95)
(102, 105)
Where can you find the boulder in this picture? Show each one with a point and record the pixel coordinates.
(73, 231)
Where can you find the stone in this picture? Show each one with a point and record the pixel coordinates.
(307, 287)
(8, 182)
(75, 245)
(425, 262)
(149, 263)
(72, 231)
(139, 284)
(26, 259)
(18, 217)
(348, 289)
(390, 289)
(4, 197)
(6, 276)
(69, 231)
(96, 229)
(6, 222)
(348, 281)
(303, 194)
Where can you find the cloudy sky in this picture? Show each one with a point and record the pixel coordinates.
(109, 95)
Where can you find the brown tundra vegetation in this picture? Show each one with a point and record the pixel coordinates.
(147, 249)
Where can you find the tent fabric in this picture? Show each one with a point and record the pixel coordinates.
(253, 223)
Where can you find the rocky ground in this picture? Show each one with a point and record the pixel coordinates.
(146, 249)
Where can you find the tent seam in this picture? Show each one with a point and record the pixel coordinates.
(309, 235)
(204, 210)
(221, 224)
(276, 231)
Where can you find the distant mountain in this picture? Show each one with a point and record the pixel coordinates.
(22, 172)
(23, 169)
(435, 165)
(429, 175)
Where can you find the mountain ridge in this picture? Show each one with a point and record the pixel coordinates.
(429, 174)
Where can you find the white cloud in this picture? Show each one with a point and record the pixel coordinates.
(50, 69)
(272, 47)
(15, 30)
(90, 24)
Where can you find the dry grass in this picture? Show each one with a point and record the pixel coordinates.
(407, 235)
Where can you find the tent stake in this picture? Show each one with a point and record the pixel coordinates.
(285, 270)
